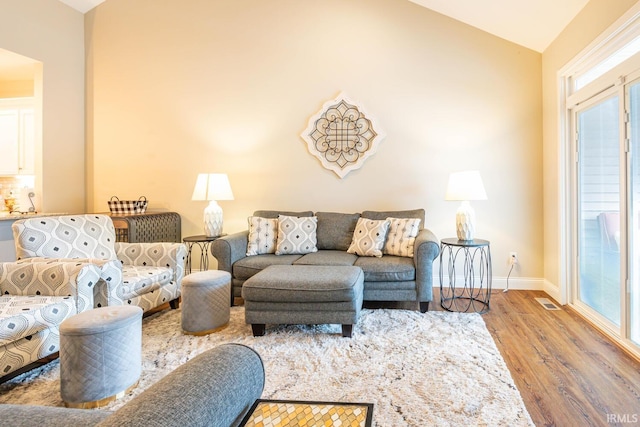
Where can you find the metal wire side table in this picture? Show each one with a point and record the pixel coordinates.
(475, 295)
(203, 243)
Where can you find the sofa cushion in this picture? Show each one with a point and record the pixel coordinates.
(369, 237)
(263, 235)
(247, 267)
(401, 236)
(327, 258)
(276, 214)
(21, 316)
(389, 268)
(335, 230)
(304, 283)
(296, 235)
(139, 280)
(414, 213)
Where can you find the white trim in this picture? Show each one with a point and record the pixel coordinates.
(553, 291)
(606, 328)
(564, 178)
(590, 55)
(609, 43)
(515, 283)
(519, 283)
(624, 28)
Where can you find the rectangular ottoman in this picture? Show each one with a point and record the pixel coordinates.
(303, 294)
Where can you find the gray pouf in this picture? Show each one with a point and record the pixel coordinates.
(205, 301)
(100, 355)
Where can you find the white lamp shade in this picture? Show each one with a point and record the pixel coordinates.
(466, 185)
(212, 186)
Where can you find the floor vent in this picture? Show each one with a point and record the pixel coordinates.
(547, 304)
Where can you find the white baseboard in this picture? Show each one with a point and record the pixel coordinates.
(517, 283)
(553, 291)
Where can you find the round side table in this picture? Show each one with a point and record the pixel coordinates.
(203, 243)
(474, 264)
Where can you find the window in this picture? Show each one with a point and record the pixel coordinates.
(600, 95)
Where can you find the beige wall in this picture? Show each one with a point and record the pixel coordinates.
(52, 33)
(596, 16)
(16, 88)
(228, 86)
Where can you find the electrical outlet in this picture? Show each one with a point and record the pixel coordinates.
(513, 258)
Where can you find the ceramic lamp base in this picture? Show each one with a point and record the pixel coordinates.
(465, 221)
(213, 219)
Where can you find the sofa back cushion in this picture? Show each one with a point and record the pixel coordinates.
(335, 230)
(275, 214)
(65, 236)
(382, 215)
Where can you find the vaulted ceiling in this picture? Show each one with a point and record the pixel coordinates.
(530, 23)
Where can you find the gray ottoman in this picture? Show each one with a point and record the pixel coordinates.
(100, 355)
(303, 294)
(205, 301)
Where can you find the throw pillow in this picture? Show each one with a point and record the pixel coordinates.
(263, 235)
(368, 237)
(296, 235)
(402, 236)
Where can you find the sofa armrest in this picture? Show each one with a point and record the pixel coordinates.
(229, 249)
(425, 251)
(172, 255)
(51, 278)
(215, 388)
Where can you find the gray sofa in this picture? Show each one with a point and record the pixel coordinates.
(386, 278)
(214, 389)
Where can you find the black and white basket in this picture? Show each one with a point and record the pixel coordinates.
(118, 206)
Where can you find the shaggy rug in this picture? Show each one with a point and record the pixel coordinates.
(433, 369)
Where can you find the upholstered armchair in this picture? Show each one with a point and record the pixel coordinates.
(143, 274)
(36, 298)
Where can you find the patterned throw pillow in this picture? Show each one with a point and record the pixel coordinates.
(402, 236)
(368, 237)
(263, 235)
(296, 235)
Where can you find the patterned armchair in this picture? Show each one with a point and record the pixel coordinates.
(143, 274)
(36, 298)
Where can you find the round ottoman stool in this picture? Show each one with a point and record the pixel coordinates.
(100, 355)
(205, 301)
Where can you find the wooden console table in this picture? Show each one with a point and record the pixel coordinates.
(147, 227)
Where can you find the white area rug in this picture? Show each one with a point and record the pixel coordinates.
(433, 369)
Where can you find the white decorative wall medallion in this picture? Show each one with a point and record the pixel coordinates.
(342, 136)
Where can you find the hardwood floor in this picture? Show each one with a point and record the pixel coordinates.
(568, 373)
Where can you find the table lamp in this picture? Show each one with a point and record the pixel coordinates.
(465, 186)
(212, 187)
